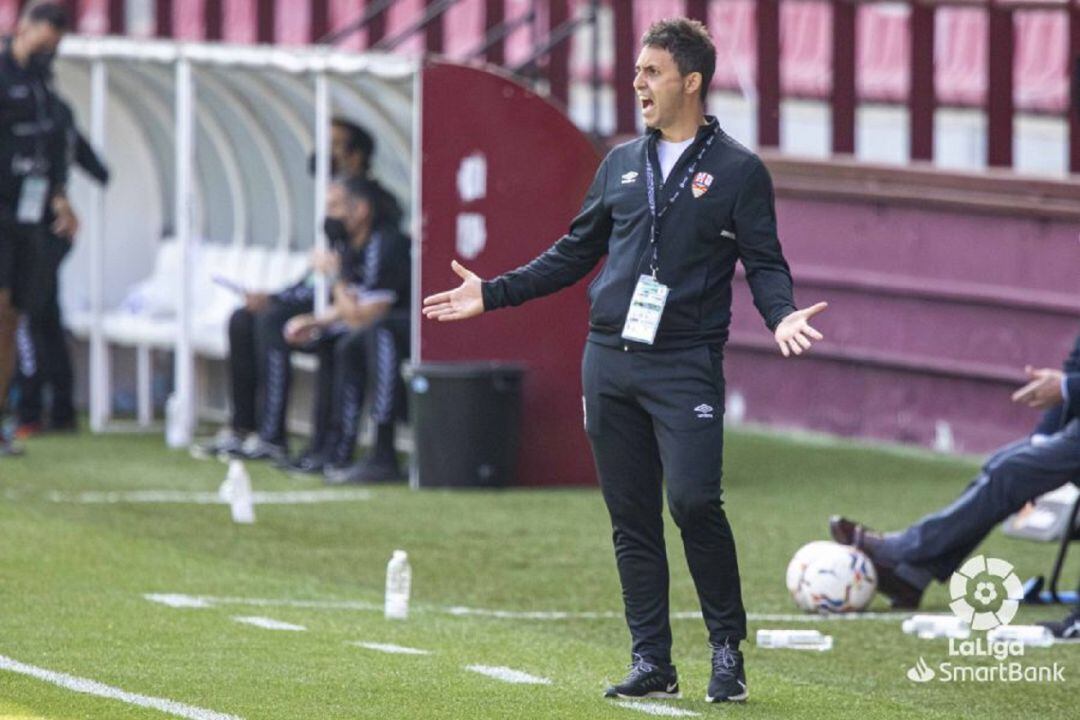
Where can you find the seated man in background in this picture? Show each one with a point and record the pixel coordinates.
(260, 369)
(935, 546)
(363, 334)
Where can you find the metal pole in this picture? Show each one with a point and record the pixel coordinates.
(625, 53)
(494, 14)
(322, 175)
(100, 372)
(181, 429)
(163, 19)
(922, 96)
(768, 73)
(1074, 87)
(999, 86)
(843, 72)
(594, 58)
(558, 67)
(117, 17)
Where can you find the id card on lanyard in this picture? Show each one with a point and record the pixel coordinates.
(34, 193)
(646, 308)
(650, 295)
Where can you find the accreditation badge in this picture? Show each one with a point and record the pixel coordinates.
(35, 191)
(646, 308)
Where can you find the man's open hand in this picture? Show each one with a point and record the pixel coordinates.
(464, 301)
(794, 333)
(1044, 390)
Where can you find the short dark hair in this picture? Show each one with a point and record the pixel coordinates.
(364, 189)
(52, 13)
(359, 138)
(689, 43)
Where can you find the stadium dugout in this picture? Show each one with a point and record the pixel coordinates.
(209, 145)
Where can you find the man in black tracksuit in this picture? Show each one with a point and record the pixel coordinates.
(652, 371)
(44, 360)
(33, 173)
(260, 367)
(362, 336)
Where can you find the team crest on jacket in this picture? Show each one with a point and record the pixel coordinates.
(702, 181)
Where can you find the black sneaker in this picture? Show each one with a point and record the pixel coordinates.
(9, 447)
(255, 448)
(647, 680)
(1067, 630)
(366, 472)
(224, 443)
(728, 683)
(306, 463)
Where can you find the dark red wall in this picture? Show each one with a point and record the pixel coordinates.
(538, 168)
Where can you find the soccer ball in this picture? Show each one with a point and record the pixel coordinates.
(828, 577)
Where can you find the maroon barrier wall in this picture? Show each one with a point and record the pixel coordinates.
(538, 166)
(942, 287)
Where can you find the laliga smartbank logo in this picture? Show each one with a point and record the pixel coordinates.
(986, 594)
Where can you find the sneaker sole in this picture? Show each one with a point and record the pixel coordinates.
(741, 697)
(649, 696)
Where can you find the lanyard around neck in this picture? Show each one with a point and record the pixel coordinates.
(650, 181)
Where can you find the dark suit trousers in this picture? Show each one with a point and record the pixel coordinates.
(936, 545)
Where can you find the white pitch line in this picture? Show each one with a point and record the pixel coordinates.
(93, 687)
(268, 623)
(392, 649)
(656, 709)
(284, 497)
(509, 675)
(206, 601)
(527, 614)
(179, 600)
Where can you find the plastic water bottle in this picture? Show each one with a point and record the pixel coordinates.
(241, 501)
(930, 627)
(1030, 635)
(794, 639)
(176, 433)
(398, 585)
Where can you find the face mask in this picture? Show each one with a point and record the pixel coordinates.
(333, 165)
(335, 230)
(42, 61)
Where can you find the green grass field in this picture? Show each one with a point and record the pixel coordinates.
(73, 578)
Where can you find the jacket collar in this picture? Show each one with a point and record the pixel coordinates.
(711, 123)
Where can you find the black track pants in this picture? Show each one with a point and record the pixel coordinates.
(42, 343)
(655, 418)
(348, 365)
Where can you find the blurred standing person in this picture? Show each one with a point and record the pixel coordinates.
(33, 173)
(44, 361)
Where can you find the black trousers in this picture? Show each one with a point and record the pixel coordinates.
(260, 370)
(348, 363)
(43, 357)
(655, 418)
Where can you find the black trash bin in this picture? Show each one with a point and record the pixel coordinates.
(466, 421)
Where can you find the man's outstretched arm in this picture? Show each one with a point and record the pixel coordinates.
(766, 269)
(563, 264)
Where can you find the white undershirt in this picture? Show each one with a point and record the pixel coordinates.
(669, 154)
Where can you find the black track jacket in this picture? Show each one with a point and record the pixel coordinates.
(700, 240)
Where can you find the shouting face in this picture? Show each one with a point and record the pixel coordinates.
(665, 95)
